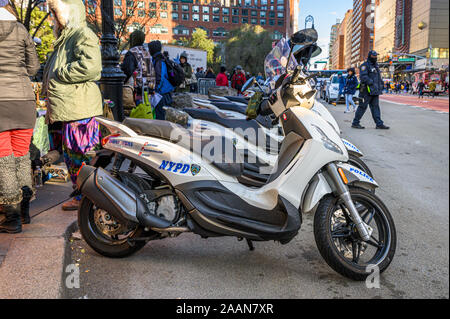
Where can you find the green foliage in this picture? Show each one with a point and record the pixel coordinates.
(43, 31)
(200, 40)
(248, 46)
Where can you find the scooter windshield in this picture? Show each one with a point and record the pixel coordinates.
(276, 61)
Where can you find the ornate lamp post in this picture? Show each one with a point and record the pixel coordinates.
(112, 79)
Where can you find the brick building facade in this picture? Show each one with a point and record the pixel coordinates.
(362, 30)
(174, 19)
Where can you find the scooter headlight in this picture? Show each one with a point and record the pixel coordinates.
(328, 143)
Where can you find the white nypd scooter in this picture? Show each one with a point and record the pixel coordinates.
(190, 184)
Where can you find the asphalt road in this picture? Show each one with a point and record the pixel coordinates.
(411, 164)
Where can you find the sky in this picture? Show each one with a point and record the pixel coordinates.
(325, 13)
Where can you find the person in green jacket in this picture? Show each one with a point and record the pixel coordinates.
(188, 74)
(69, 82)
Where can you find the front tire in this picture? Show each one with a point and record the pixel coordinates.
(338, 240)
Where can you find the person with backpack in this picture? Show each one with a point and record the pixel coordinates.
(167, 75)
(138, 67)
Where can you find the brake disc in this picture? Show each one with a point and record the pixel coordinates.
(107, 224)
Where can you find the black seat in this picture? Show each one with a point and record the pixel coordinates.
(230, 106)
(215, 149)
(239, 126)
(239, 99)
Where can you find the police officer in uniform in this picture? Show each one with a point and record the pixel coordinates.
(370, 91)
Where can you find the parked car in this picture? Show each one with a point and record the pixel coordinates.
(332, 91)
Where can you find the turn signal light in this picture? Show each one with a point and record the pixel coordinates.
(344, 178)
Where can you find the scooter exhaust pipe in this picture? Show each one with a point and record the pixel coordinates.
(111, 195)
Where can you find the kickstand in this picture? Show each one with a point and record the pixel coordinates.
(250, 245)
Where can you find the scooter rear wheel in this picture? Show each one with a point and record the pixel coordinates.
(339, 242)
(106, 235)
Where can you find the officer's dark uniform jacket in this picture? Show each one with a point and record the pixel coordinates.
(370, 77)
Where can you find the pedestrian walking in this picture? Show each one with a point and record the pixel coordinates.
(69, 82)
(221, 79)
(18, 61)
(351, 85)
(420, 89)
(162, 86)
(432, 88)
(238, 79)
(371, 89)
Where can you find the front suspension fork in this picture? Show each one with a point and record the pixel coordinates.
(343, 191)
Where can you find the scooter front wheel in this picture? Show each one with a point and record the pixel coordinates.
(103, 233)
(339, 242)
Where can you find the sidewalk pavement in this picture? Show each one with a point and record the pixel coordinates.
(31, 262)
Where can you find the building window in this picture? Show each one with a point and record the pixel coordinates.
(262, 22)
(158, 29)
(280, 22)
(196, 9)
(174, 7)
(244, 12)
(118, 2)
(174, 15)
(195, 17)
(262, 14)
(141, 4)
(152, 5)
(130, 12)
(220, 32)
(280, 8)
(235, 19)
(141, 13)
(185, 8)
(263, 2)
(271, 14)
(244, 20)
(133, 27)
(205, 18)
(215, 10)
(248, 2)
(180, 30)
(235, 12)
(205, 9)
(185, 16)
(254, 21)
(225, 19)
(271, 22)
(225, 11)
(117, 12)
(216, 18)
(280, 14)
(163, 6)
(277, 35)
(163, 14)
(152, 14)
(130, 3)
(254, 13)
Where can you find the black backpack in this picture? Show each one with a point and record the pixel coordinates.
(175, 73)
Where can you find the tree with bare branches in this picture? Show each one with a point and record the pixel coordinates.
(132, 15)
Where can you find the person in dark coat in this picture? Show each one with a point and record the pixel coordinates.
(18, 61)
(371, 89)
(351, 84)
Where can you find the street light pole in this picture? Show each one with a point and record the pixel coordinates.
(111, 83)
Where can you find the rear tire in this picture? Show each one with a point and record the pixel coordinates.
(326, 235)
(98, 241)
